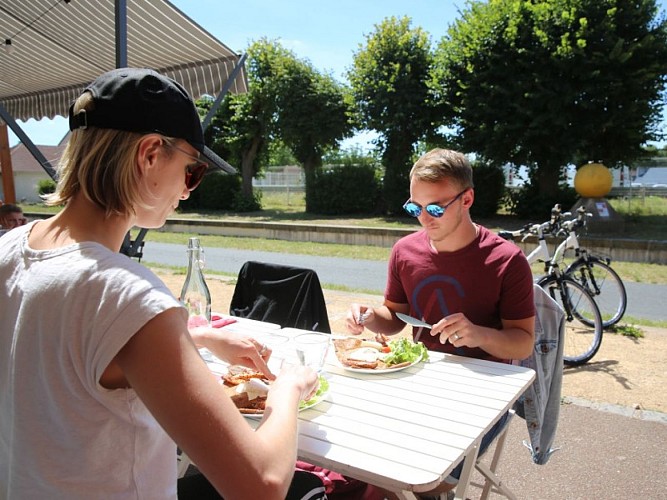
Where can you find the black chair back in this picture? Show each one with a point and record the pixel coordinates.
(289, 296)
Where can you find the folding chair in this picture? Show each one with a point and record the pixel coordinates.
(289, 296)
(542, 398)
(489, 470)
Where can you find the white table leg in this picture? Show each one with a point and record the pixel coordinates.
(406, 495)
(468, 466)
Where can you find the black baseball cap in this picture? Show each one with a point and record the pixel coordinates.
(144, 101)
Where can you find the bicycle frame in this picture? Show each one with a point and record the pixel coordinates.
(541, 253)
(582, 314)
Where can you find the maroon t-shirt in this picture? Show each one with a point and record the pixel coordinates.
(487, 280)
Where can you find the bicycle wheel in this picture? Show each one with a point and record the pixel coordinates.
(604, 285)
(583, 324)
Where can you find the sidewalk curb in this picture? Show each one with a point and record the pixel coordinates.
(626, 411)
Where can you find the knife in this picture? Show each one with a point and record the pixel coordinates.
(412, 321)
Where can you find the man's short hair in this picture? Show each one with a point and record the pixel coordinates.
(439, 164)
(9, 208)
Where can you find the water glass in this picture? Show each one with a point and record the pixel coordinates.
(312, 349)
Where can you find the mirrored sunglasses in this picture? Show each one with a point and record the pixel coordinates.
(434, 210)
(194, 172)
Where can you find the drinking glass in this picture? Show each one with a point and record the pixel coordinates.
(312, 349)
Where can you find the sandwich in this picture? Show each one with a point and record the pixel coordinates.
(247, 388)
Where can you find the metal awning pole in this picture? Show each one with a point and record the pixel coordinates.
(34, 151)
(120, 13)
(218, 100)
(130, 247)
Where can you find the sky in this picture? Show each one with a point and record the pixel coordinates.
(326, 32)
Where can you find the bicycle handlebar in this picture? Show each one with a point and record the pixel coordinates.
(527, 230)
(556, 226)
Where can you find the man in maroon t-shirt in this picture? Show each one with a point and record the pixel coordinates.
(475, 288)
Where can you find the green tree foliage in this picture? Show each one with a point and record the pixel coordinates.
(219, 191)
(287, 101)
(313, 114)
(351, 156)
(489, 189)
(350, 189)
(280, 155)
(244, 124)
(390, 84)
(547, 83)
(46, 186)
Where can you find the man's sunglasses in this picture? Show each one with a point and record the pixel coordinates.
(434, 210)
(194, 172)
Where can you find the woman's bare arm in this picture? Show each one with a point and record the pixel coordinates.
(163, 366)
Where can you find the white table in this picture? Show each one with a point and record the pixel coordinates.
(405, 431)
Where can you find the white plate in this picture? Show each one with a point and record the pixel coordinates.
(375, 370)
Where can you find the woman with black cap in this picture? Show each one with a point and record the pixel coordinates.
(99, 376)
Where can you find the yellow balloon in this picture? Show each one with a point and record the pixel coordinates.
(593, 180)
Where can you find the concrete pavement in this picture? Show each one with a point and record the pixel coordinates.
(601, 455)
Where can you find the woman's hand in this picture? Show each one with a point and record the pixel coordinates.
(302, 377)
(234, 348)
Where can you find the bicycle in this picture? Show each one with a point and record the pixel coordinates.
(591, 271)
(583, 322)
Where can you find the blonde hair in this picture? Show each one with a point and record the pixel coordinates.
(101, 164)
(439, 164)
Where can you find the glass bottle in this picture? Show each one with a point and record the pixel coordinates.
(195, 295)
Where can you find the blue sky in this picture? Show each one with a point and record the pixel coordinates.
(325, 32)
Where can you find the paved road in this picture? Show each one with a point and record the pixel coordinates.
(644, 301)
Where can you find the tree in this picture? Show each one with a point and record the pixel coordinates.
(287, 101)
(244, 124)
(314, 114)
(280, 155)
(390, 85)
(547, 83)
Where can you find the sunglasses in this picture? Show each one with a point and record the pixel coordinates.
(194, 172)
(434, 210)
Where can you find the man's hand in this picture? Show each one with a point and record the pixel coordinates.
(357, 316)
(457, 330)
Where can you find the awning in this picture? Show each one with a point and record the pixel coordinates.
(59, 46)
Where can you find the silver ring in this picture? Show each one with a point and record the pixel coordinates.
(262, 350)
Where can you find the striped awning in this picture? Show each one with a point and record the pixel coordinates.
(59, 46)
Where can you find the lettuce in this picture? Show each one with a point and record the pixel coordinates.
(404, 350)
(319, 394)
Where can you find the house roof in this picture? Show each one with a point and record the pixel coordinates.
(23, 161)
(59, 46)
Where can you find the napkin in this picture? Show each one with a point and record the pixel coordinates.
(218, 321)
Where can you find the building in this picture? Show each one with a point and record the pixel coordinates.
(28, 172)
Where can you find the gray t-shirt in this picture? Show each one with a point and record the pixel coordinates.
(64, 315)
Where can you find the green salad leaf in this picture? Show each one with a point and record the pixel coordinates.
(319, 394)
(404, 350)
